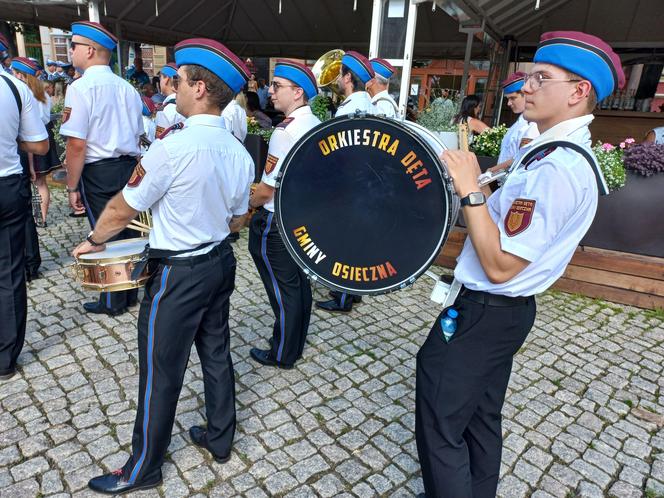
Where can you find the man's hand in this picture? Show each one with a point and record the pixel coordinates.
(75, 201)
(85, 247)
(464, 170)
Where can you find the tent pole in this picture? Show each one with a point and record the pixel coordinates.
(93, 10)
(466, 62)
(407, 58)
(376, 21)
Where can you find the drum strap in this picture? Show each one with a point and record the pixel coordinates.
(592, 162)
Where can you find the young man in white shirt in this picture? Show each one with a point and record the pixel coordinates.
(519, 243)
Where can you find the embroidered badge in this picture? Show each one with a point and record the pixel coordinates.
(525, 141)
(136, 176)
(519, 216)
(285, 123)
(270, 163)
(66, 112)
(159, 131)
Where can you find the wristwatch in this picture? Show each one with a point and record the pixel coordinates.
(71, 190)
(89, 239)
(473, 199)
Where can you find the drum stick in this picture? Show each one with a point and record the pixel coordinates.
(139, 224)
(138, 228)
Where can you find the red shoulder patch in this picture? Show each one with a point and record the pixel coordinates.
(519, 216)
(285, 123)
(66, 112)
(136, 176)
(270, 163)
(159, 131)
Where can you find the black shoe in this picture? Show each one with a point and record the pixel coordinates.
(264, 357)
(334, 305)
(77, 215)
(8, 375)
(116, 484)
(337, 295)
(32, 275)
(199, 437)
(42, 224)
(233, 237)
(98, 308)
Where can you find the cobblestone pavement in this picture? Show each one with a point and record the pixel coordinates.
(583, 415)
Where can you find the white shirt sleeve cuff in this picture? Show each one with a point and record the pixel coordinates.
(513, 247)
(72, 134)
(34, 138)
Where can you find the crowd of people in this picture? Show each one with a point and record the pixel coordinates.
(184, 160)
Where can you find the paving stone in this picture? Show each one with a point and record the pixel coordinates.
(342, 422)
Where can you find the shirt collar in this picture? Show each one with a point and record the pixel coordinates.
(98, 69)
(204, 120)
(300, 111)
(381, 94)
(170, 98)
(576, 128)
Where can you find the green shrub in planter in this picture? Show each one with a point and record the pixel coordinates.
(488, 143)
(610, 159)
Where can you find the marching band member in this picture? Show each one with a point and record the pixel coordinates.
(378, 89)
(519, 243)
(356, 72)
(286, 285)
(521, 133)
(235, 119)
(149, 126)
(167, 114)
(21, 118)
(102, 122)
(196, 182)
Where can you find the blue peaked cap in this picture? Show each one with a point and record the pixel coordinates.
(298, 74)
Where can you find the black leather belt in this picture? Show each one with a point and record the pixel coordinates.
(194, 260)
(487, 298)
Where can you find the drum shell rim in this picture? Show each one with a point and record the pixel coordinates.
(451, 211)
(115, 259)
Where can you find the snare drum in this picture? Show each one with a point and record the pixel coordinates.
(110, 270)
(364, 204)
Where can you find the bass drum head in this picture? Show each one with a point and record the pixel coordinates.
(363, 204)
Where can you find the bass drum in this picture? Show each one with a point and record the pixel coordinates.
(364, 204)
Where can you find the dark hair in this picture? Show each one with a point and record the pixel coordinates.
(355, 81)
(467, 110)
(219, 94)
(253, 102)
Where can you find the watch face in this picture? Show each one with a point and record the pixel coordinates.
(476, 198)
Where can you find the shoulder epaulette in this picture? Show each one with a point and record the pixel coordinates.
(285, 123)
(176, 126)
(539, 156)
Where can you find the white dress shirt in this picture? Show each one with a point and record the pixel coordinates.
(235, 119)
(28, 126)
(167, 115)
(104, 110)
(384, 104)
(300, 121)
(521, 129)
(194, 181)
(559, 193)
(358, 101)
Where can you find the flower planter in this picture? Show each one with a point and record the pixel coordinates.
(257, 148)
(631, 219)
(449, 138)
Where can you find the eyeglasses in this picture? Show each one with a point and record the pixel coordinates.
(74, 44)
(276, 85)
(536, 79)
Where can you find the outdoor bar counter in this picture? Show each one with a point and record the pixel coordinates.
(614, 126)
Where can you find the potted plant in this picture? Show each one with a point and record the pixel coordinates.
(256, 143)
(438, 117)
(631, 218)
(486, 146)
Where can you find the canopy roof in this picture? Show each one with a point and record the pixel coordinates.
(308, 28)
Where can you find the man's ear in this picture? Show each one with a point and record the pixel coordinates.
(581, 91)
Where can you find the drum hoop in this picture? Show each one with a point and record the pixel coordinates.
(406, 281)
(115, 259)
